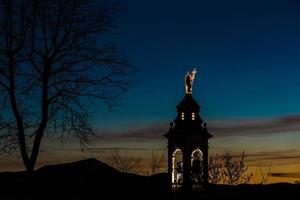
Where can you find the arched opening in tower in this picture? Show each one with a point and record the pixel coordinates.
(177, 169)
(197, 169)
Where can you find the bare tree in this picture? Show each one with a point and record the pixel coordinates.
(55, 58)
(227, 170)
(265, 174)
(234, 171)
(156, 162)
(215, 166)
(125, 163)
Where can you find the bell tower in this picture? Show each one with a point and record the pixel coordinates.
(188, 144)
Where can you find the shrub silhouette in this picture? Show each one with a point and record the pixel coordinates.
(125, 163)
(227, 170)
(156, 162)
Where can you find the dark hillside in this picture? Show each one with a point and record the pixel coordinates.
(93, 179)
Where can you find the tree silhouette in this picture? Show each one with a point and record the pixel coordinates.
(156, 162)
(125, 163)
(227, 170)
(215, 167)
(54, 58)
(265, 173)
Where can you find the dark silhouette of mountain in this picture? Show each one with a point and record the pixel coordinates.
(93, 179)
(83, 179)
(89, 167)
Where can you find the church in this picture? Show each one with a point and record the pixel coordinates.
(188, 144)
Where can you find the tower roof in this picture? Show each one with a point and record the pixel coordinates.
(188, 104)
(188, 117)
(188, 121)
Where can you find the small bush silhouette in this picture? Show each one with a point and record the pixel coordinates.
(265, 173)
(156, 162)
(125, 163)
(227, 170)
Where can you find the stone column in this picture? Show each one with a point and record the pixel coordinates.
(205, 163)
(170, 164)
(187, 185)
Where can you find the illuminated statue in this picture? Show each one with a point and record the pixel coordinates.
(189, 79)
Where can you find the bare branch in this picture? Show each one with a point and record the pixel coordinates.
(56, 57)
(125, 163)
(156, 162)
(226, 170)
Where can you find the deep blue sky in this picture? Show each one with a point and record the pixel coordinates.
(247, 54)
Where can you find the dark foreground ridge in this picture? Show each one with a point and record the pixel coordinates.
(93, 179)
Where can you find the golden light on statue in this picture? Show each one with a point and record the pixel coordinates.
(189, 80)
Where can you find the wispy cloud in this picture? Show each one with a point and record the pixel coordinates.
(219, 128)
(125, 149)
(286, 175)
(255, 127)
(151, 132)
(282, 157)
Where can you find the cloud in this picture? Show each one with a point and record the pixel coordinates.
(286, 175)
(151, 132)
(255, 127)
(219, 128)
(280, 157)
(96, 149)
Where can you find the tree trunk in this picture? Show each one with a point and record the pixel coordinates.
(43, 124)
(29, 167)
(11, 64)
(36, 147)
(18, 117)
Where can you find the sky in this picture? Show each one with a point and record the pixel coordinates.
(246, 54)
(247, 57)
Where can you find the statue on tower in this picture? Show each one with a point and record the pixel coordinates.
(189, 79)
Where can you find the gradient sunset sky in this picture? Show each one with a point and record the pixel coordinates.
(248, 82)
